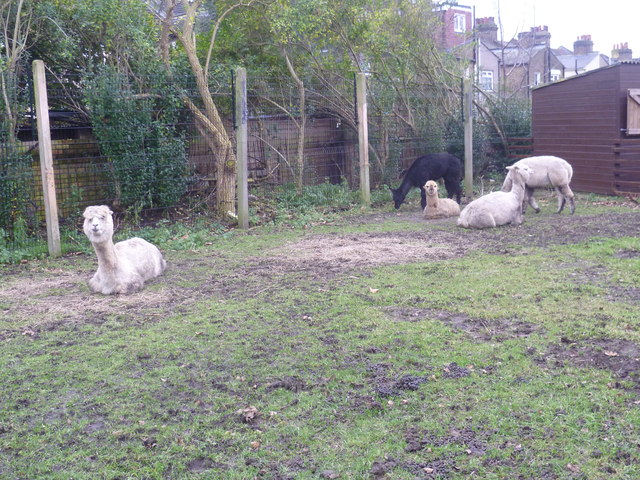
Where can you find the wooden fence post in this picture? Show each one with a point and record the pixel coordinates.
(241, 114)
(46, 158)
(363, 137)
(467, 101)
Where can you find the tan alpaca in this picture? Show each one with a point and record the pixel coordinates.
(438, 207)
(125, 266)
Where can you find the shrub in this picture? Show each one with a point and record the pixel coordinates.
(15, 181)
(137, 133)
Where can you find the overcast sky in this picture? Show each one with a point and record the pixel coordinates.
(608, 22)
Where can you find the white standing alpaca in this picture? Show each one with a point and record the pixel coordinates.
(498, 208)
(438, 207)
(125, 266)
(547, 171)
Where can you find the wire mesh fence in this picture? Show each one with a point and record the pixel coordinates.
(131, 144)
(102, 149)
(408, 120)
(291, 143)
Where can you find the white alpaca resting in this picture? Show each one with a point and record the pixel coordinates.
(438, 207)
(498, 208)
(125, 266)
(547, 171)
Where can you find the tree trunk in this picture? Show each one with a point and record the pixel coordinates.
(208, 118)
(299, 170)
(301, 134)
(217, 138)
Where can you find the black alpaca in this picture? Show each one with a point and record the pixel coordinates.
(431, 167)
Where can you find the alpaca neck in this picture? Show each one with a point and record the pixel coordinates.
(405, 186)
(432, 200)
(517, 188)
(106, 253)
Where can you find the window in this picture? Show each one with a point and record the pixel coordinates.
(633, 111)
(486, 80)
(537, 78)
(555, 75)
(459, 23)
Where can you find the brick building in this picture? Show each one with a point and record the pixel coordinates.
(457, 25)
(521, 63)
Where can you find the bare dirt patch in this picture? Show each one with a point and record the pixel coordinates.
(35, 298)
(442, 239)
(38, 298)
(476, 328)
(621, 357)
(358, 250)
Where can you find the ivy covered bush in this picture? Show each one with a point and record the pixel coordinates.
(16, 206)
(136, 128)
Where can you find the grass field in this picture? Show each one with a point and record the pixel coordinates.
(369, 346)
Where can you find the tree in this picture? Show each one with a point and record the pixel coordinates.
(297, 23)
(414, 87)
(78, 36)
(15, 33)
(208, 119)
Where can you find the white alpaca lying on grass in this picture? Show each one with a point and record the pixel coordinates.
(498, 208)
(125, 266)
(438, 207)
(547, 171)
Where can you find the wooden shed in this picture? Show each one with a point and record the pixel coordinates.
(593, 121)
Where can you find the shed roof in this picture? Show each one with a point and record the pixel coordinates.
(633, 63)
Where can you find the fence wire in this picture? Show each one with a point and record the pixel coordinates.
(288, 143)
(298, 137)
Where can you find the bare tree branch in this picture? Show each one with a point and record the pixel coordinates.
(216, 27)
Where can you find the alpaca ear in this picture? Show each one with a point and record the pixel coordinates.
(510, 168)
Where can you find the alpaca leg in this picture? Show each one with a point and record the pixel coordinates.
(518, 219)
(102, 283)
(133, 287)
(483, 220)
(564, 194)
(453, 188)
(530, 199)
(94, 284)
(423, 198)
(561, 200)
(491, 222)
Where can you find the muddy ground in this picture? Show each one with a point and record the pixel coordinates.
(41, 296)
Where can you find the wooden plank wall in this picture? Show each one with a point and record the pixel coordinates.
(329, 151)
(626, 168)
(580, 119)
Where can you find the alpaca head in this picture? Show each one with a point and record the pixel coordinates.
(98, 223)
(520, 173)
(431, 188)
(397, 196)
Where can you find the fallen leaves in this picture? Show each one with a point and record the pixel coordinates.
(249, 414)
(330, 474)
(573, 468)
